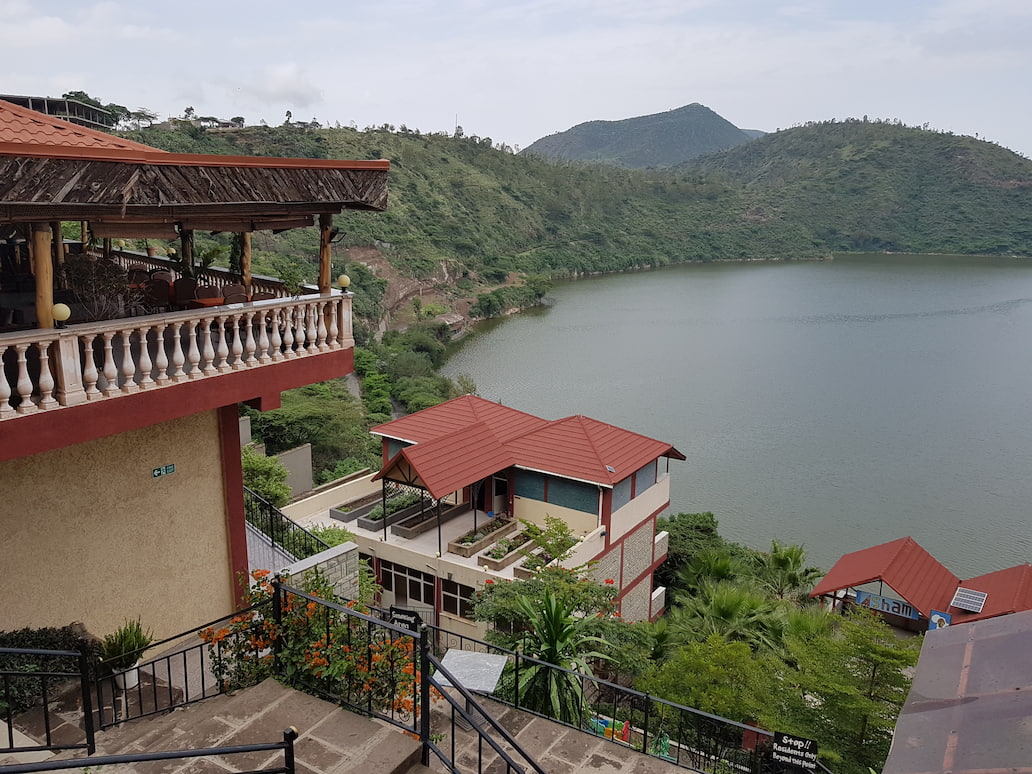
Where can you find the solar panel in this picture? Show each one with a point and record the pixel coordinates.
(969, 599)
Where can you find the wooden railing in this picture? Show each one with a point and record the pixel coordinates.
(47, 369)
(213, 275)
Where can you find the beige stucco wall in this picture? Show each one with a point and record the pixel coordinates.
(641, 507)
(534, 511)
(88, 534)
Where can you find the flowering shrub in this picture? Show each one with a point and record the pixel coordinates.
(361, 663)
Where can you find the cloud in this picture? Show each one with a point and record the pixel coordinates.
(285, 83)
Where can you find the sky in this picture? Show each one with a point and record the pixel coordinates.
(516, 72)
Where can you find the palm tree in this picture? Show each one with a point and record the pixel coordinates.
(736, 612)
(782, 571)
(557, 638)
(710, 565)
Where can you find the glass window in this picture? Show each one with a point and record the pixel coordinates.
(455, 598)
(530, 485)
(573, 494)
(622, 494)
(645, 478)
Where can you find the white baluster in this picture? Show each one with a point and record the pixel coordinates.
(194, 354)
(319, 311)
(178, 357)
(249, 342)
(109, 370)
(204, 331)
(223, 348)
(24, 386)
(236, 332)
(146, 380)
(331, 334)
(89, 370)
(313, 331)
(161, 355)
(46, 378)
(6, 409)
(277, 340)
(288, 332)
(129, 384)
(263, 335)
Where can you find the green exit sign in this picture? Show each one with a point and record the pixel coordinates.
(164, 470)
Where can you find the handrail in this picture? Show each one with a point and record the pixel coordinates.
(96, 761)
(44, 675)
(280, 529)
(471, 701)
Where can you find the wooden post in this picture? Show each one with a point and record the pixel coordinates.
(58, 251)
(186, 246)
(245, 259)
(41, 245)
(325, 251)
(83, 233)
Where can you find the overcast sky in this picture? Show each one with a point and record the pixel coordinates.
(518, 71)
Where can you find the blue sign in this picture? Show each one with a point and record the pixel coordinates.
(886, 605)
(939, 620)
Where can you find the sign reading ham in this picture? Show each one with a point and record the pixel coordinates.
(794, 751)
(886, 605)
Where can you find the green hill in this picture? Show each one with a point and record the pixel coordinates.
(463, 214)
(658, 140)
(860, 185)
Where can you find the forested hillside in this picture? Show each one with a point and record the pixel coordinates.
(463, 213)
(658, 140)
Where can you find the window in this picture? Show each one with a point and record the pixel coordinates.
(530, 485)
(394, 446)
(573, 495)
(455, 598)
(409, 586)
(645, 478)
(622, 494)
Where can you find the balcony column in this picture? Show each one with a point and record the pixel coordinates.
(245, 259)
(44, 270)
(325, 251)
(65, 359)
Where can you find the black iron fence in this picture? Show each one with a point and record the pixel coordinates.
(95, 762)
(283, 533)
(28, 679)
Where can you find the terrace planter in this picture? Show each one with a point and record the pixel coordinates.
(523, 572)
(504, 561)
(345, 516)
(468, 549)
(392, 518)
(426, 521)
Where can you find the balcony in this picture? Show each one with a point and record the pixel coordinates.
(47, 372)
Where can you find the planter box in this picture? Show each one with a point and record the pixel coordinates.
(393, 518)
(522, 572)
(468, 549)
(345, 516)
(424, 522)
(505, 561)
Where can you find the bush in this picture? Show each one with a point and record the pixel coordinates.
(25, 692)
(265, 476)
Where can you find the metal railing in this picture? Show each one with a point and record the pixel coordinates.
(27, 678)
(282, 532)
(96, 761)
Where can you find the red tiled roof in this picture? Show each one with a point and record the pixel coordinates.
(423, 426)
(29, 127)
(583, 448)
(1007, 591)
(450, 462)
(576, 447)
(912, 572)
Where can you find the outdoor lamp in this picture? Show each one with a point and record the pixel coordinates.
(61, 313)
(171, 252)
(344, 281)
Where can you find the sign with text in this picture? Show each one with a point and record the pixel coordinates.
(164, 470)
(886, 605)
(794, 751)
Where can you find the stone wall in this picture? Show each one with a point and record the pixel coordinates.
(339, 565)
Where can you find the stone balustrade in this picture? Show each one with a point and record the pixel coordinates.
(48, 369)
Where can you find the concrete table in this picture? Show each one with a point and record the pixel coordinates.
(476, 672)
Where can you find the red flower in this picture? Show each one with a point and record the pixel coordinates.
(610, 581)
(489, 581)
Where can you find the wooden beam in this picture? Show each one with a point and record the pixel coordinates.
(41, 246)
(245, 259)
(186, 244)
(325, 252)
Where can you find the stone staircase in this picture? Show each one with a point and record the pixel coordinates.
(334, 741)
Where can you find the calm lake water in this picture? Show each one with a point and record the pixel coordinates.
(838, 404)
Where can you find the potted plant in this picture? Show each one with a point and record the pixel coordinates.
(120, 652)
